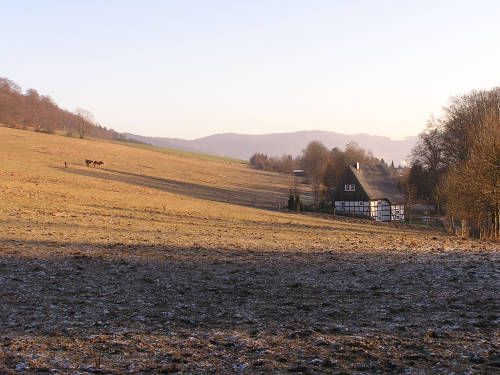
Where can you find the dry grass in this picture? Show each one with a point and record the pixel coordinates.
(158, 263)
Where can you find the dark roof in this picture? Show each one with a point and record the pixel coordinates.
(378, 184)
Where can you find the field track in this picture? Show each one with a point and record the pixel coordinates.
(158, 263)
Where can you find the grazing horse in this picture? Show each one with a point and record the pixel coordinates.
(98, 163)
(88, 162)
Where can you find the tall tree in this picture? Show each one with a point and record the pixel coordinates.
(335, 168)
(85, 119)
(314, 162)
(461, 149)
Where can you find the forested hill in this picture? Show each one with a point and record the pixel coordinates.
(32, 110)
(243, 146)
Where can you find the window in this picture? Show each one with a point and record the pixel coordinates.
(350, 187)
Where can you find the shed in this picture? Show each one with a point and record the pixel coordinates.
(298, 172)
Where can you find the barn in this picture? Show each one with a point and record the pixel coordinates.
(370, 192)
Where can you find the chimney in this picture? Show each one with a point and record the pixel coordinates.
(357, 165)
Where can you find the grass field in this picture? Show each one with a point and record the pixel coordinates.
(172, 151)
(162, 263)
(163, 150)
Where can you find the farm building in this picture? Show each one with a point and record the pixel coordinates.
(298, 172)
(370, 192)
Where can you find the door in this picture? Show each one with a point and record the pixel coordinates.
(383, 211)
(380, 211)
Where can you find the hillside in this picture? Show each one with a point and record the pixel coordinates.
(242, 146)
(161, 263)
(187, 174)
(30, 110)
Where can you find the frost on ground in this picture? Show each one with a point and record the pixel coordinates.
(84, 308)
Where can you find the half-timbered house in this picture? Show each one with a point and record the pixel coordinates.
(370, 192)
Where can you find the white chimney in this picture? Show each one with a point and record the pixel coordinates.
(357, 166)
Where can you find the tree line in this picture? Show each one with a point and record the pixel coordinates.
(323, 167)
(39, 112)
(456, 163)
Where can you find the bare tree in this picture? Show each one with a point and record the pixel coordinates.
(335, 168)
(411, 201)
(475, 198)
(314, 162)
(429, 149)
(85, 118)
(286, 164)
(462, 149)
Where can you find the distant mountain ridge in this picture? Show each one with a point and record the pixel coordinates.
(242, 146)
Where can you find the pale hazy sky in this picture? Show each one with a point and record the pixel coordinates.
(194, 68)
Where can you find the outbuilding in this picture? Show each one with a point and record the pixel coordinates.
(298, 173)
(370, 192)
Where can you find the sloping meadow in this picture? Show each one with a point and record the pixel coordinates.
(160, 263)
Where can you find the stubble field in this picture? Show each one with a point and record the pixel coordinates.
(158, 263)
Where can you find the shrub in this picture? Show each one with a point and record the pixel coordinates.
(44, 131)
(298, 203)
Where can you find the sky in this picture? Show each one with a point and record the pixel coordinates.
(189, 69)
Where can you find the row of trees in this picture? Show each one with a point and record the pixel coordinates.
(32, 110)
(326, 167)
(323, 167)
(456, 163)
(284, 164)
